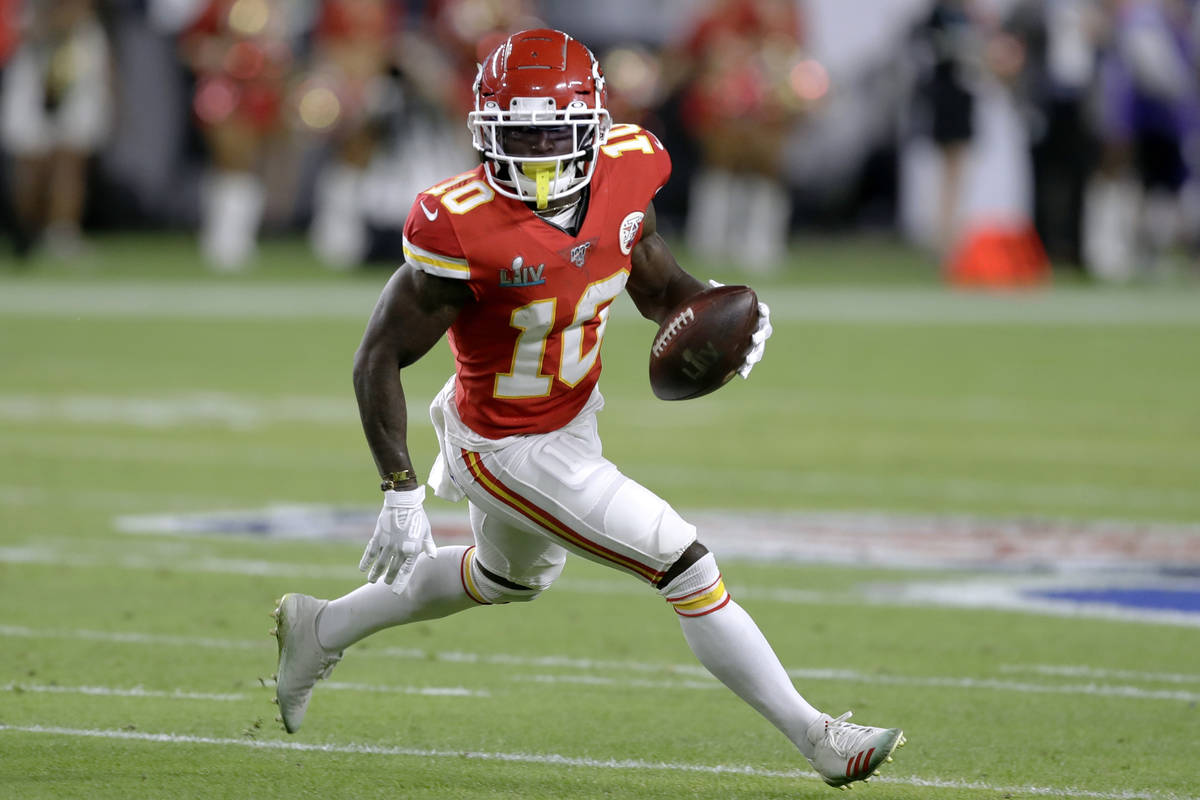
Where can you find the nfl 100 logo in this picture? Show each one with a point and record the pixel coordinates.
(579, 253)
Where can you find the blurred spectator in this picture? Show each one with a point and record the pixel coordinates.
(436, 60)
(1149, 95)
(636, 85)
(740, 61)
(54, 115)
(977, 170)
(242, 53)
(10, 34)
(1063, 38)
(950, 51)
(440, 56)
(344, 97)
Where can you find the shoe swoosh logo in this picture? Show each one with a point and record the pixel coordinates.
(431, 216)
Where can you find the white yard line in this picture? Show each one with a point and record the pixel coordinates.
(1083, 671)
(185, 694)
(556, 759)
(852, 676)
(113, 691)
(924, 306)
(25, 495)
(239, 412)
(201, 564)
(601, 668)
(427, 691)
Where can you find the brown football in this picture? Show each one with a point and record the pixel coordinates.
(702, 342)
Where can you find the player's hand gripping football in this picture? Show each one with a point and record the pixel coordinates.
(758, 339)
(401, 534)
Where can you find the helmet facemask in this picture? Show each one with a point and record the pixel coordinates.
(508, 139)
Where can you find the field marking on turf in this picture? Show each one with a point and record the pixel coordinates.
(238, 412)
(201, 564)
(603, 666)
(17, 495)
(922, 306)
(846, 537)
(111, 691)
(39, 555)
(1081, 671)
(625, 683)
(852, 676)
(820, 542)
(182, 694)
(556, 759)
(427, 691)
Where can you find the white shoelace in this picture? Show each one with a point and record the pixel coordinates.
(328, 662)
(846, 737)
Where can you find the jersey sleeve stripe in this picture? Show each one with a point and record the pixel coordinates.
(436, 263)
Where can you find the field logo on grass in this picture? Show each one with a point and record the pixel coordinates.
(311, 522)
(1135, 571)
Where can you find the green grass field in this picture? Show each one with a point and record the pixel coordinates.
(134, 664)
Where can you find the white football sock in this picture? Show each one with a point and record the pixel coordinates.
(435, 590)
(730, 646)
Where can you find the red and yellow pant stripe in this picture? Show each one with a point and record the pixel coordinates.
(549, 522)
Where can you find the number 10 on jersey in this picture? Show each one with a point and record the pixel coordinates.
(530, 376)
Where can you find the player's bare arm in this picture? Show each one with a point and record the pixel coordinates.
(656, 281)
(412, 314)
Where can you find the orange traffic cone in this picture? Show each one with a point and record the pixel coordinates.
(999, 257)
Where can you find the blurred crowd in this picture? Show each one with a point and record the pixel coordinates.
(1076, 122)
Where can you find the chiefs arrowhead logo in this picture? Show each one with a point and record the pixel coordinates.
(629, 230)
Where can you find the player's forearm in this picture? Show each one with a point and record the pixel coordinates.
(658, 284)
(681, 286)
(384, 415)
(658, 305)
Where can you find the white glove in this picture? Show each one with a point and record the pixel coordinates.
(401, 534)
(758, 339)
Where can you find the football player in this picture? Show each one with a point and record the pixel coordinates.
(518, 262)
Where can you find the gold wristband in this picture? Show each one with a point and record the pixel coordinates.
(392, 479)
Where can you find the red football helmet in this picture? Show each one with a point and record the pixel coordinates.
(540, 113)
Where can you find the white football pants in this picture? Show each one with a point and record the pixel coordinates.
(535, 497)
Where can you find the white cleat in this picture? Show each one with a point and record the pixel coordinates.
(845, 752)
(302, 659)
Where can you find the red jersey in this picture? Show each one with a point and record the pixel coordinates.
(527, 350)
